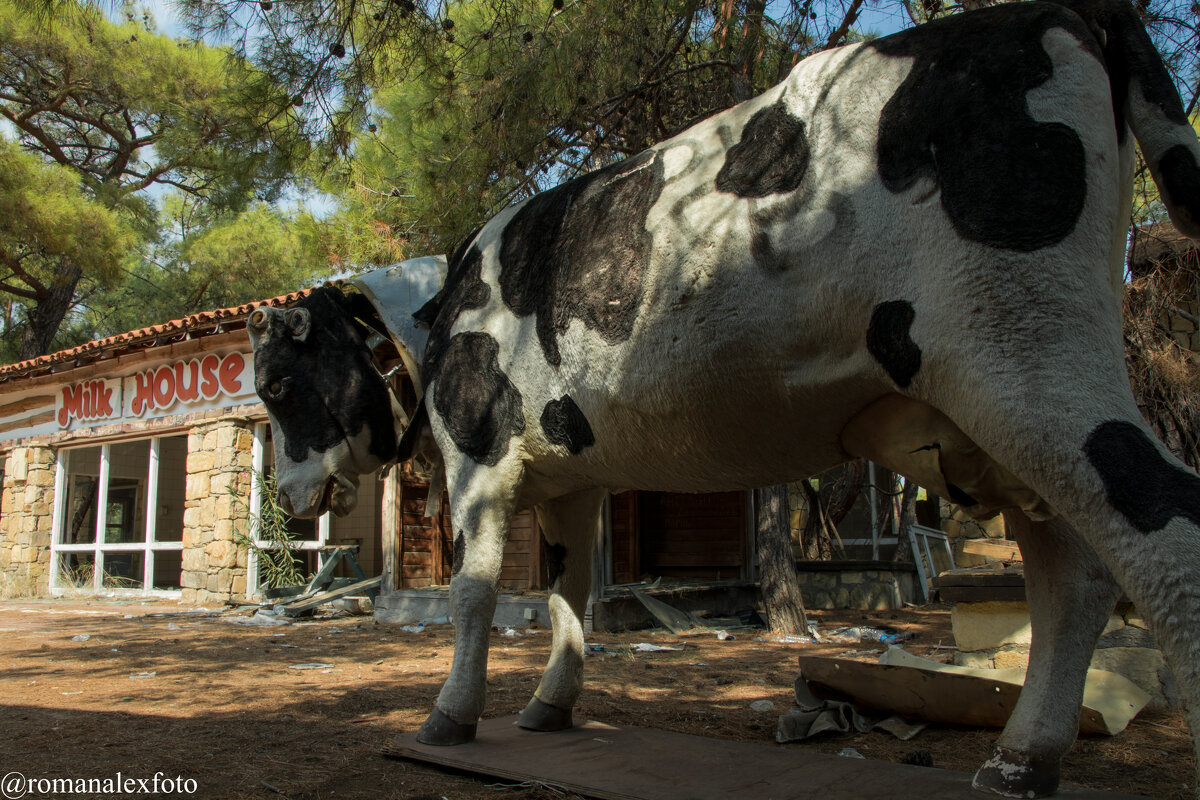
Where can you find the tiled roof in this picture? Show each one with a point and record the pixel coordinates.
(204, 323)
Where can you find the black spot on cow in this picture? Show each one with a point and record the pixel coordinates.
(479, 405)
(556, 562)
(324, 389)
(962, 121)
(889, 340)
(771, 157)
(1143, 486)
(565, 424)
(1180, 176)
(464, 290)
(460, 553)
(579, 251)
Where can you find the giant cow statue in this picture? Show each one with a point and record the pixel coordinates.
(910, 250)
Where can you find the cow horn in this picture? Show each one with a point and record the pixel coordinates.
(298, 320)
(258, 320)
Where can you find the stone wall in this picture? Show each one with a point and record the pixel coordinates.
(26, 515)
(997, 634)
(218, 487)
(875, 586)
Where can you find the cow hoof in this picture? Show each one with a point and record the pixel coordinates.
(1013, 774)
(442, 731)
(539, 716)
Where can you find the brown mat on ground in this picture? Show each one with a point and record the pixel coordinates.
(629, 763)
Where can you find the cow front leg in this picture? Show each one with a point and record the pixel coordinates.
(1070, 593)
(481, 523)
(569, 524)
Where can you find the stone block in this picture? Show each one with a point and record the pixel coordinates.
(213, 584)
(1115, 623)
(199, 461)
(43, 478)
(221, 553)
(197, 485)
(223, 529)
(18, 464)
(841, 598)
(187, 596)
(208, 512)
(194, 560)
(245, 441)
(825, 580)
(222, 482)
(986, 626)
(1133, 618)
(191, 520)
(974, 659)
(192, 580)
(851, 577)
(238, 588)
(1017, 657)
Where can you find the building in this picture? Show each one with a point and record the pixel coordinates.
(129, 467)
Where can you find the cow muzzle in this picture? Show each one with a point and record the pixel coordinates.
(339, 494)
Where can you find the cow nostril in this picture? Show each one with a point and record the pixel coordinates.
(285, 502)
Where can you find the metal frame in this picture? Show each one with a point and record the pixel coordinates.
(258, 460)
(148, 546)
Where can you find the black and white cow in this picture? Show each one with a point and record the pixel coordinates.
(909, 250)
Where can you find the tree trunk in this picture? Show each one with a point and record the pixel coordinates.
(777, 568)
(905, 519)
(814, 537)
(43, 320)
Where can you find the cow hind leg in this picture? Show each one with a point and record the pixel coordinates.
(1071, 594)
(1137, 508)
(482, 505)
(569, 525)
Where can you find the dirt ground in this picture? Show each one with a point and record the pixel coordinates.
(152, 690)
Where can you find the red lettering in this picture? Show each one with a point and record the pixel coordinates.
(209, 386)
(185, 392)
(164, 387)
(104, 396)
(231, 370)
(143, 393)
(72, 404)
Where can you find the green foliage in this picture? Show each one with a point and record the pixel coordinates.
(127, 111)
(276, 555)
(206, 262)
(502, 102)
(49, 229)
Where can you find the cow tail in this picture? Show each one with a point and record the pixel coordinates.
(1145, 99)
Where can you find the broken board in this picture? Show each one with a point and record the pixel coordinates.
(629, 763)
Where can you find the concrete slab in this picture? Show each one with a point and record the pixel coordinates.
(629, 763)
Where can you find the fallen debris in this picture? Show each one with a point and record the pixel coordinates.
(906, 684)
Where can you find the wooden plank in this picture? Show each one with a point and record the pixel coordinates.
(624, 762)
(993, 548)
(27, 422)
(27, 404)
(359, 587)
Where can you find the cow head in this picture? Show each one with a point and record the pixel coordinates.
(332, 415)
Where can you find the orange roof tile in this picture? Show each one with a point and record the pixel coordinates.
(204, 323)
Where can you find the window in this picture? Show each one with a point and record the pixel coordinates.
(118, 516)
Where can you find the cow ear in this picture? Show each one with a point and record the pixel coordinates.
(257, 325)
(299, 323)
